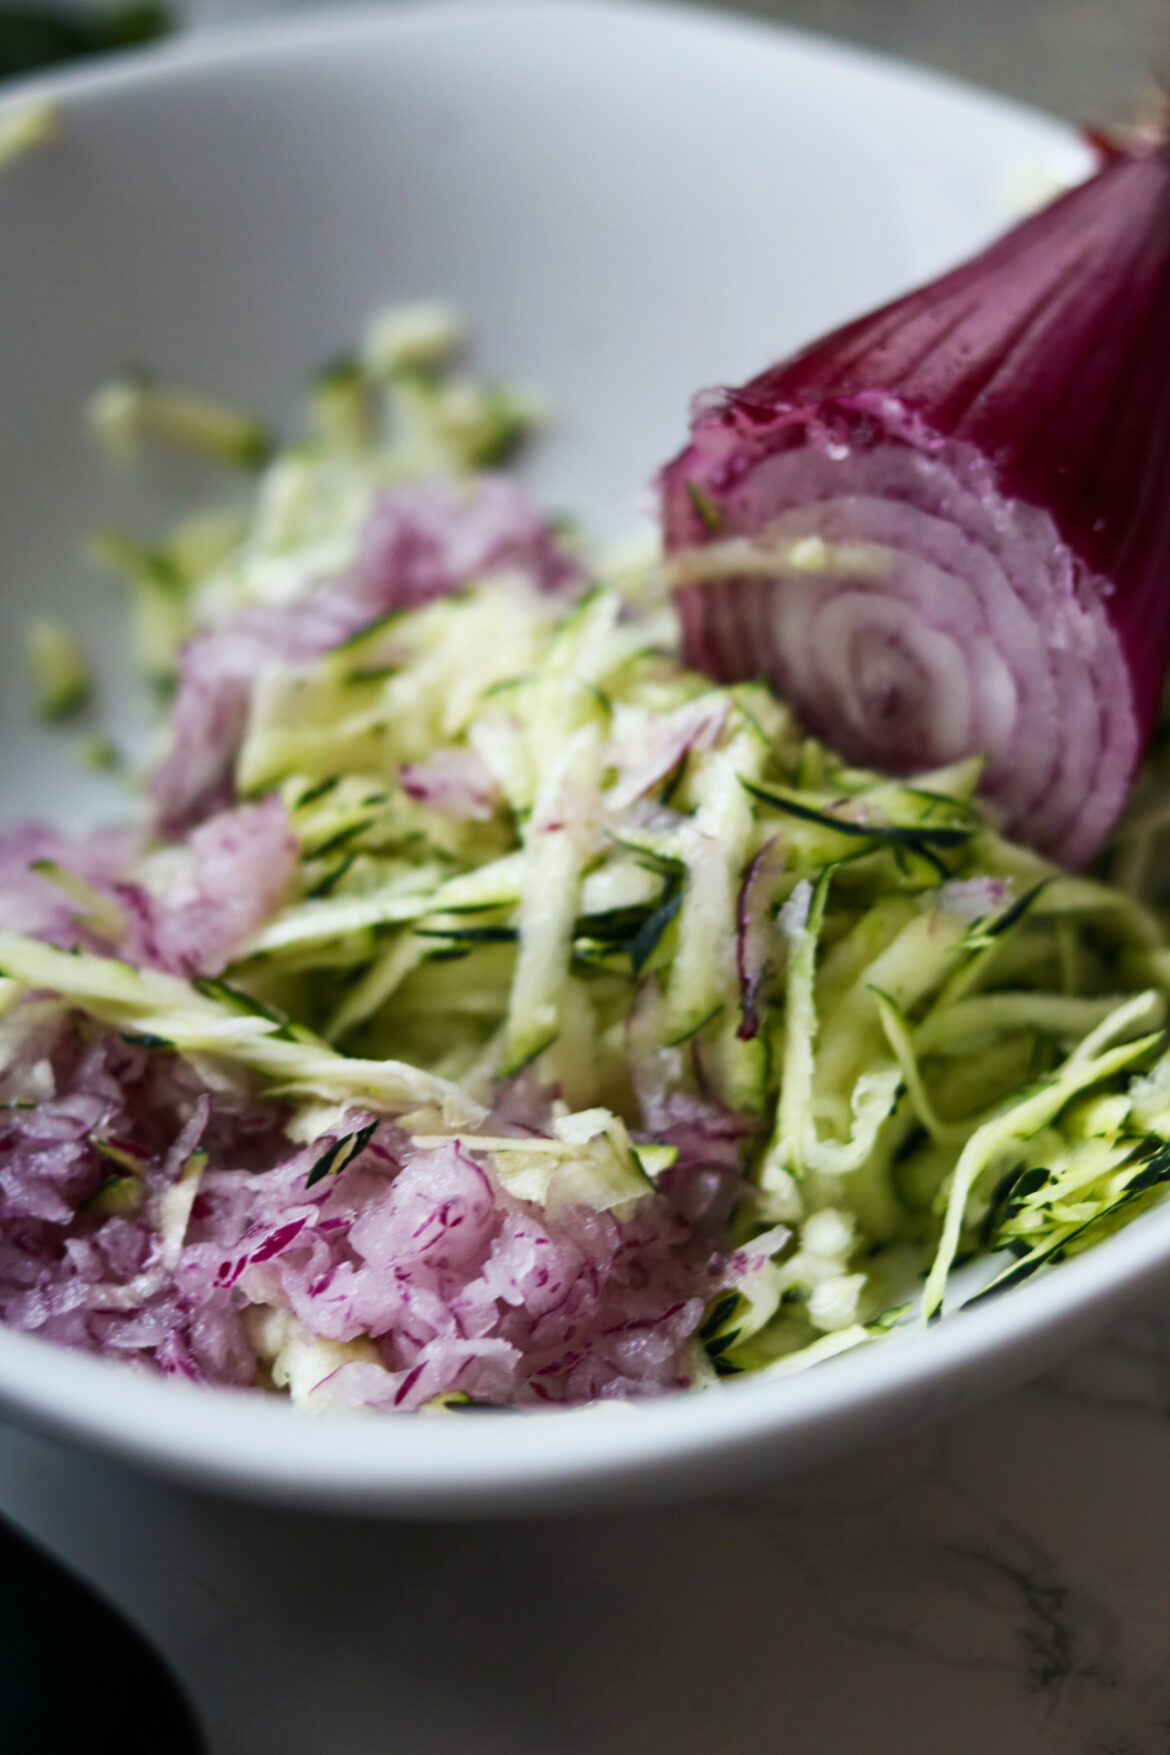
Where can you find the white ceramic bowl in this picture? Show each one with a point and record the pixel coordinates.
(629, 203)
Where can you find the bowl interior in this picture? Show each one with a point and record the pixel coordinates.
(628, 204)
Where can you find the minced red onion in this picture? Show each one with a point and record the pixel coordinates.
(224, 882)
(459, 1287)
(419, 542)
(455, 782)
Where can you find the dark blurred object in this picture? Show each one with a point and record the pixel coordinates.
(32, 38)
(74, 1674)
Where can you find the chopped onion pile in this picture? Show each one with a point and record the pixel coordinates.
(496, 1011)
(943, 530)
(198, 1241)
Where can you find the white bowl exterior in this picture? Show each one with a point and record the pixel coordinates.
(628, 203)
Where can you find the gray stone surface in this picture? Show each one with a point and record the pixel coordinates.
(1080, 58)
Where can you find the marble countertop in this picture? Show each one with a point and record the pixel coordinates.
(1000, 1582)
(1085, 59)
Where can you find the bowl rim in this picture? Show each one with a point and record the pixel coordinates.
(236, 1442)
(204, 48)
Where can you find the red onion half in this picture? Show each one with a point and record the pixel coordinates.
(944, 530)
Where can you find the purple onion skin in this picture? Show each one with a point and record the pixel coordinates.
(758, 945)
(1047, 355)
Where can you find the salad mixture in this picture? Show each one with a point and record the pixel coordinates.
(494, 1008)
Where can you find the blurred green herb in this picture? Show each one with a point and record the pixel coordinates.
(31, 38)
